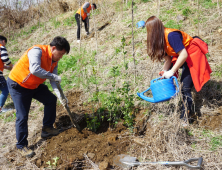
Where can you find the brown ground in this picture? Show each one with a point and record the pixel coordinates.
(71, 145)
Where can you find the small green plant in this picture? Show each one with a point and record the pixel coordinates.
(50, 165)
(56, 23)
(172, 24)
(69, 21)
(127, 108)
(216, 142)
(9, 118)
(123, 40)
(93, 123)
(145, 1)
(55, 161)
(186, 12)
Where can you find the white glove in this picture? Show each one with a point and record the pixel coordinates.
(64, 102)
(58, 78)
(168, 74)
(88, 14)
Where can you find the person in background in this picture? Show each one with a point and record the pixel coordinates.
(25, 82)
(5, 63)
(179, 50)
(85, 13)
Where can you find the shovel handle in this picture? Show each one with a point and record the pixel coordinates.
(67, 107)
(199, 163)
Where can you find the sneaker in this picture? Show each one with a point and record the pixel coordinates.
(49, 131)
(5, 110)
(78, 41)
(25, 151)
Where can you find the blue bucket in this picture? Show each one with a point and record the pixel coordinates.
(162, 90)
(140, 24)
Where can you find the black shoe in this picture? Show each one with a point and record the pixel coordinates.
(25, 151)
(49, 131)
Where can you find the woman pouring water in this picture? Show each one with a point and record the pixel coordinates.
(179, 50)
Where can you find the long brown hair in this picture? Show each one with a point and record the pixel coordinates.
(155, 38)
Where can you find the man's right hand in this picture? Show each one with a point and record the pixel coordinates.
(88, 14)
(64, 102)
(58, 79)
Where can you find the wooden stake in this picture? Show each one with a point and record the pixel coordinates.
(133, 47)
(95, 29)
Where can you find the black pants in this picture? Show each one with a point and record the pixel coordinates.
(22, 99)
(187, 81)
(86, 23)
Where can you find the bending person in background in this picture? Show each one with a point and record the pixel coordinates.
(25, 82)
(187, 53)
(5, 63)
(85, 13)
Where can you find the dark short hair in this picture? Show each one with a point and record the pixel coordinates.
(94, 5)
(3, 38)
(61, 44)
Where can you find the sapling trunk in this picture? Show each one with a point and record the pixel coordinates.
(95, 29)
(133, 47)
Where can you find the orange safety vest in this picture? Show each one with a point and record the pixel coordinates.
(83, 13)
(21, 73)
(1, 63)
(196, 61)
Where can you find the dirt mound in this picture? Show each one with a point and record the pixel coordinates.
(213, 122)
(71, 145)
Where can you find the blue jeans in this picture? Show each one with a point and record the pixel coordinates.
(4, 94)
(187, 81)
(22, 98)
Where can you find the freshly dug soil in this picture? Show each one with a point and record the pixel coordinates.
(73, 147)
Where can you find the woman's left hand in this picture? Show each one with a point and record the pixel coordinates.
(168, 74)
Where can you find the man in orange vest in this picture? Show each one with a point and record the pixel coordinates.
(5, 63)
(25, 82)
(85, 13)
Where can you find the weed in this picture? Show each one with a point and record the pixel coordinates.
(145, 1)
(172, 24)
(216, 142)
(123, 40)
(69, 21)
(55, 161)
(8, 118)
(56, 23)
(186, 12)
(50, 165)
(218, 71)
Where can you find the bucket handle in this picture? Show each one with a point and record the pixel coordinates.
(177, 84)
(149, 99)
(152, 81)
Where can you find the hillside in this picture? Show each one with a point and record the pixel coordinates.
(101, 77)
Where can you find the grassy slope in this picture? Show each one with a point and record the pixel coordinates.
(79, 70)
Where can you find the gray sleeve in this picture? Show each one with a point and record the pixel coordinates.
(85, 6)
(34, 56)
(53, 83)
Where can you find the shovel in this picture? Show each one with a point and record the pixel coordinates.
(126, 161)
(67, 108)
